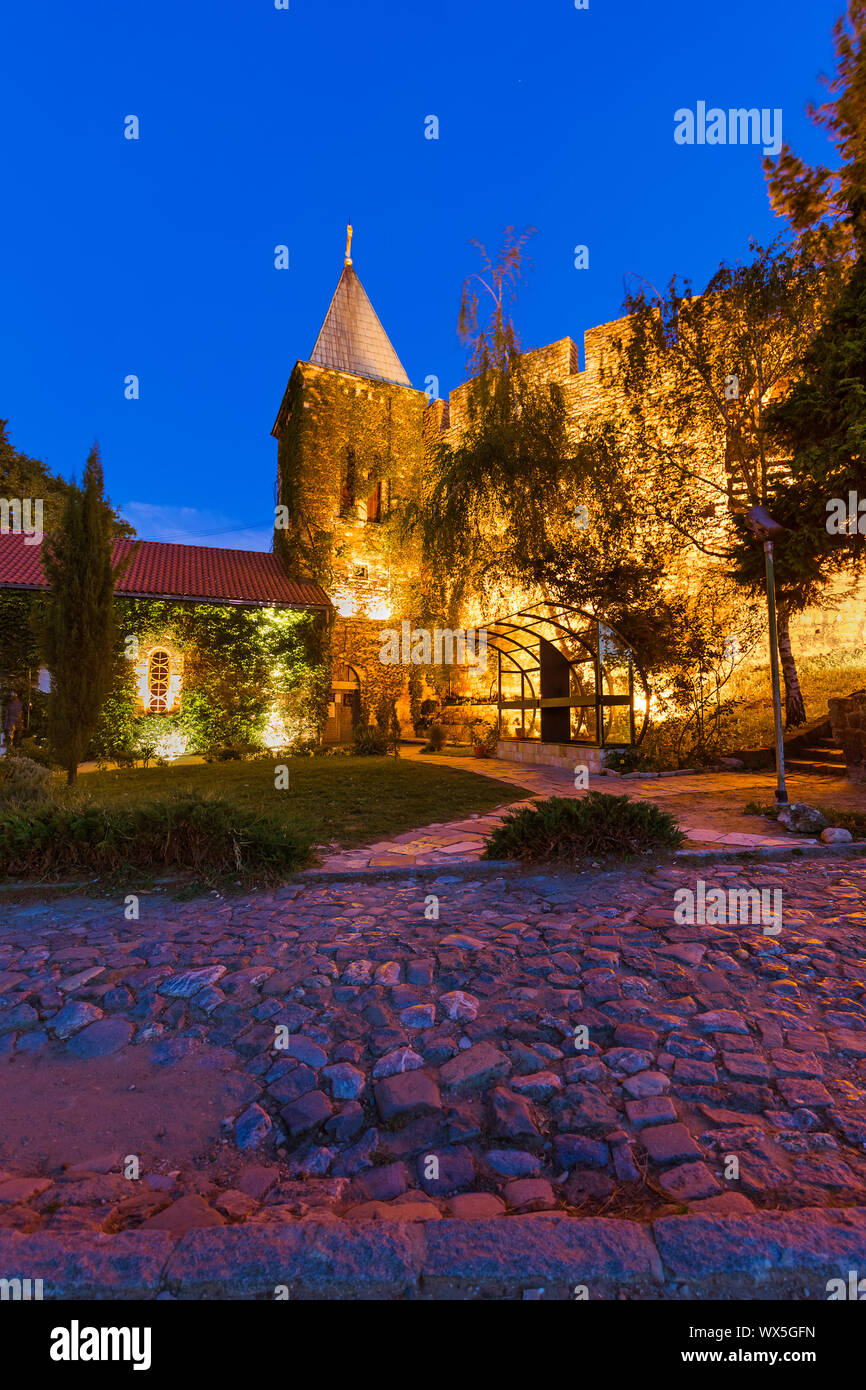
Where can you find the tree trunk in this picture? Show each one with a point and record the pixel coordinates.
(71, 774)
(795, 709)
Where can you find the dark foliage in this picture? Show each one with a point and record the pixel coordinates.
(208, 837)
(568, 831)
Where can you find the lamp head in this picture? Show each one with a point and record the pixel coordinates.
(763, 524)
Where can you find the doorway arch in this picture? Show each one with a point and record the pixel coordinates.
(344, 707)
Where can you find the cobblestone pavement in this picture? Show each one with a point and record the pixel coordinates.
(368, 1060)
(708, 807)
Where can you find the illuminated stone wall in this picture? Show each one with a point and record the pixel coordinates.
(368, 572)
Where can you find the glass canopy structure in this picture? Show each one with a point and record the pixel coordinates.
(564, 677)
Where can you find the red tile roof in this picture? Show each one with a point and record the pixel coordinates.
(161, 569)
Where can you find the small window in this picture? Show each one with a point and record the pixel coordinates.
(374, 503)
(347, 489)
(158, 677)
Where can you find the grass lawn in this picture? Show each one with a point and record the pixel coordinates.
(348, 801)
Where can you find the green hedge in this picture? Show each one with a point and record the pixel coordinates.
(569, 830)
(206, 836)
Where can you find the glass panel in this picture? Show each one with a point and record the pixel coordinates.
(615, 662)
(157, 682)
(617, 724)
(596, 657)
(531, 724)
(583, 725)
(582, 681)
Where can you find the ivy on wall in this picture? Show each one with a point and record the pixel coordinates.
(20, 615)
(337, 440)
(242, 667)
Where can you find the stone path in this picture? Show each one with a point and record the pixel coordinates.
(694, 799)
(547, 1044)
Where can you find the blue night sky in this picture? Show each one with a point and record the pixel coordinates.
(261, 127)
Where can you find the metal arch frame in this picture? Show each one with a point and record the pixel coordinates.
(526, 623)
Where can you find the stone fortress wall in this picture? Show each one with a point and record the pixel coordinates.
(825, 633)
(329, 416)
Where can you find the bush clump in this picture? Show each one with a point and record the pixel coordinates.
(207, 836)
(623, 759)
(567, 830)
(233, 753)
(435, 739)
(485, 737)
(37, 753)
(23, 780)
(371, 741)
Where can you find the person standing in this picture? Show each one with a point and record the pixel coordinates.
(13, 720)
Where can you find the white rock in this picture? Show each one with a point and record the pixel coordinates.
(836, 835)
(458, 1004)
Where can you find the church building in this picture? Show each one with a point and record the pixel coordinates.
(352, 435)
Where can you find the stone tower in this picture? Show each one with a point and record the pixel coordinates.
(349, 434)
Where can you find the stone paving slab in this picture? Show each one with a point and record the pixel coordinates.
(605, 1256)
(464, 839)
(811, 1245)
(769, 1255)
(125, 1266)
(311, 1260)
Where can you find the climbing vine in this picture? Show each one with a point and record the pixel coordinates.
(248, 672)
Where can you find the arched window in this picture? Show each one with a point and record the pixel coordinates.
(158, 676)
(349, 483)
(374, 503)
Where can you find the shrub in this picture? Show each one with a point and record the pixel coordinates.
(207, 836)
(115, 730)
(435, 739)
(156, 738)
(29, 748)
(569, 830)
(22, 781)
(623, 759)
(393, 731)
(421, 723)
(484, 737)
(310, 748)
(233, 753)
(370, 741)
(846, 818)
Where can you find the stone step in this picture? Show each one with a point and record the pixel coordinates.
(823, 755)
(814, 769)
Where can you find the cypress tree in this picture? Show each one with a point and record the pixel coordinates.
(79, 632)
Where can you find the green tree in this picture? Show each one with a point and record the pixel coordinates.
(523, 500)
(820, 422)
(22, 476)
(79, 633)
(817, 196)
(697, 375)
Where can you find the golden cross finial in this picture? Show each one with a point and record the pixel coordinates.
(349, 244)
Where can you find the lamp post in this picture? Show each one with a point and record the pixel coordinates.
(767, 530)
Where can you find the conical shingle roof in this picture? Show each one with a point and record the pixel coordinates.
(352, 339)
